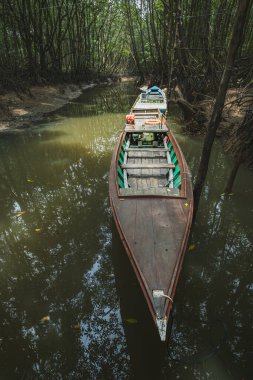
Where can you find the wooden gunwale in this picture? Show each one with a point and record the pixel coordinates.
(177, 268)
(182, 164)
(179, 262)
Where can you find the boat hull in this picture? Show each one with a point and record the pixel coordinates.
(154, 231)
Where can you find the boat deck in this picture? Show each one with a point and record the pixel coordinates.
(154, 229)
(147, 169)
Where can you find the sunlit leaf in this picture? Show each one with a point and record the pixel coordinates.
(21, 213)
(45, 319)
(77, 326)
(231, 194)
(186, 204)
(38, 229)
(191, 247)
(29, 180)
(132, 321)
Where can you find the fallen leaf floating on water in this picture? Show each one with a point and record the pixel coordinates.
(77, 326)
(132, 321)
(186, 204)
(45, 319)
(21, 213)
(191, 247)
(29, 180)
(38, 229)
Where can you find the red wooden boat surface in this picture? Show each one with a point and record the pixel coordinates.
(154, 230)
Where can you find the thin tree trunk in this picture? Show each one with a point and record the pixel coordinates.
(240, 18)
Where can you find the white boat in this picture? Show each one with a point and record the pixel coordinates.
(152, 99)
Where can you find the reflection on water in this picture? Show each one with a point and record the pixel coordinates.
(212, 327)
(70, 305)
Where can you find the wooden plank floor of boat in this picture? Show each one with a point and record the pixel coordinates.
(153, 236)
(146, 177)
(154, 227)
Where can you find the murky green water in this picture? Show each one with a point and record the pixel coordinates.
(70, 306)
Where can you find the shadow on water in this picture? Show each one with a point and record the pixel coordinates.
(146, 351)
(70, 306)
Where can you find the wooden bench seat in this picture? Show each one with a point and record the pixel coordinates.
(146, 129)
(148, 166)
(156, 192)
(145, 149)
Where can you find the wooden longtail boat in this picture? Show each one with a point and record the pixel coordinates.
(151, 98)
(152, 203)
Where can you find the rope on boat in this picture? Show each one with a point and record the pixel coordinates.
(160, 293)
(169, 298)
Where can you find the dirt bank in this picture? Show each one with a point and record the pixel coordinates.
(22, 111)
(232, 115)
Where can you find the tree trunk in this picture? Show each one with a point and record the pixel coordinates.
(236, 39)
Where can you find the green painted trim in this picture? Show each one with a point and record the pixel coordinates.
(121, 157)
(176, 171)
(172, 153)
(177, 182)
(174, 160)
(120, 172)
(121, 183)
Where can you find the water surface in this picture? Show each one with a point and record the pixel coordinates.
(70, 305)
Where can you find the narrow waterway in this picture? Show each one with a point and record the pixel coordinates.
(70, 306)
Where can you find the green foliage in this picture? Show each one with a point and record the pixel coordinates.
(50, 39)
(187, 40)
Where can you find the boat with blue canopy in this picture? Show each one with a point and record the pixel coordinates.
(152, 98)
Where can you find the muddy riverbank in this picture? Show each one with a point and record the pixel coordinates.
(23, 110)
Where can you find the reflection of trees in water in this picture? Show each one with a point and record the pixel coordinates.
(108, 99)
(62, 271)
(214, 290)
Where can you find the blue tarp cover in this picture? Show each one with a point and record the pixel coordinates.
(154, 88)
